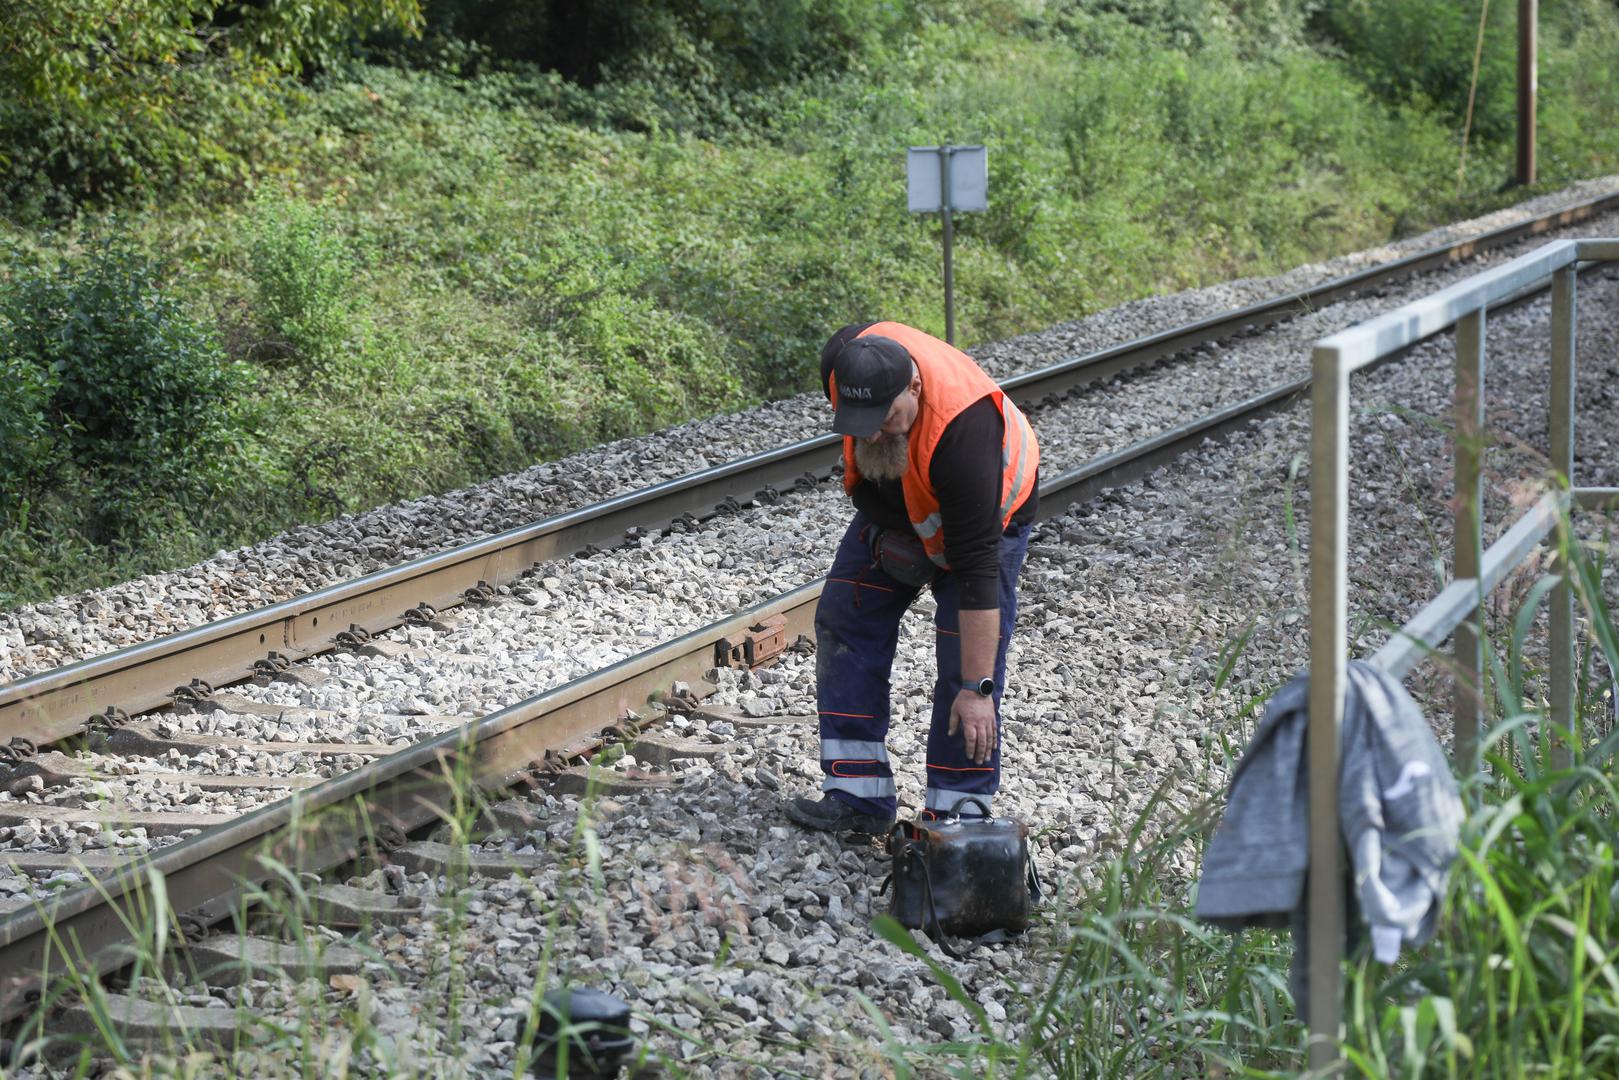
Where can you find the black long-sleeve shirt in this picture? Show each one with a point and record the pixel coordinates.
(966, 476)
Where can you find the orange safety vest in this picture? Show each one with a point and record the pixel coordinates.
(951, 381)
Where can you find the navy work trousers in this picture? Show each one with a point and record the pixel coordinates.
(857, 630)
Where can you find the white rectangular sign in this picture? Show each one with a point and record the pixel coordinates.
(969, 178)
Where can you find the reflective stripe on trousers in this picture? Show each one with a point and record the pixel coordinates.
(857, 629)
(942, 801)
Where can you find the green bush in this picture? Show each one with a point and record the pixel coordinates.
(1579, 87)
(655, 368)
(179, 134)
(308, 306)
(27, 448)
(711, 68)
(140, 392)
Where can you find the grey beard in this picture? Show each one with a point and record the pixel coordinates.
(887, 459)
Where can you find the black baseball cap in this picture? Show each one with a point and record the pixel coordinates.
(869, 372)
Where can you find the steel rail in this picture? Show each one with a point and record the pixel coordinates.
(208, 876)
(54, 705)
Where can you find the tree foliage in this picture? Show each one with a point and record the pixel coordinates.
(1420, 52)
(103, 97)
(552, 224)
(61, 52)
(744, 44)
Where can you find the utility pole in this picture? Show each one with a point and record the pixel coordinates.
(1528, 17)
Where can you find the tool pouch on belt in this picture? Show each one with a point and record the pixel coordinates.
(901, 555)
(963, 877)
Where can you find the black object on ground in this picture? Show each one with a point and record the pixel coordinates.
(594, 1026)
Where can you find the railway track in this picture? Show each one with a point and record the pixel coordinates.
(57, 704)
(206, 872)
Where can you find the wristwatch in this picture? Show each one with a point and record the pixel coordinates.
(984, 686)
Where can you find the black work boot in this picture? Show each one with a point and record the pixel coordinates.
(831, 814)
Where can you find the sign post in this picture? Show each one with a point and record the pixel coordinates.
(943, 180)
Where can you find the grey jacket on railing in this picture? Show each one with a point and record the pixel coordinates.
(1397, 808)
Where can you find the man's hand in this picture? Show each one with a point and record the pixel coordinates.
(974, 713)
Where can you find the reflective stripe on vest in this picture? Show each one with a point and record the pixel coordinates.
(1013, 415)
(951, 382)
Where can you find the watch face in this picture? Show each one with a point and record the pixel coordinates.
(986, 687)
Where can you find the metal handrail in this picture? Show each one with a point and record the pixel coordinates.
(1459, 608)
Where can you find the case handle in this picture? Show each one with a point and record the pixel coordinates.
(955, 811)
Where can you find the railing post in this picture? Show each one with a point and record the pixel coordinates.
(1561, 614)
(1329, 524)
(1469, 533)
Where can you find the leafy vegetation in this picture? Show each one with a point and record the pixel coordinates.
(1422, 52)
(442, 252)
(101, 99)
(120, 405)
(305, 310)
